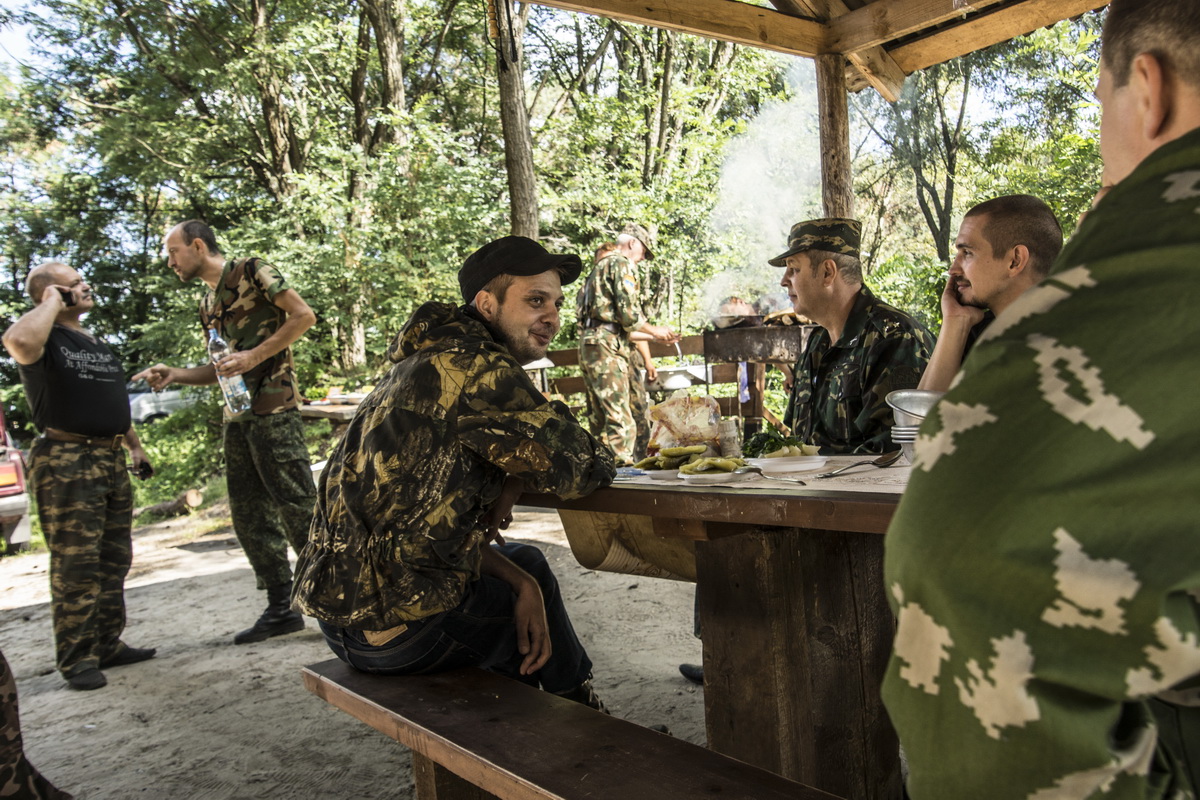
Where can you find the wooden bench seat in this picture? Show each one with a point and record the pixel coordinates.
(477, 735)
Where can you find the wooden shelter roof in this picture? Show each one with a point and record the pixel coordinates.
(883, 41)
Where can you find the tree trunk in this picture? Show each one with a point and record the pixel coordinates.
(514, 119)
(286, 154)
(387, 21)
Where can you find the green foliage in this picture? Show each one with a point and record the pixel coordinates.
(1028, 126)
(279, 124)
(913, 284)
(185, 449)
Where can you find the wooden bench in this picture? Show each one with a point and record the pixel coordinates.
(477, 735)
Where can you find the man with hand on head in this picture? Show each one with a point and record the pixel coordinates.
(400, 568)
(1043, 564)
(75, 386)
(1004, 247)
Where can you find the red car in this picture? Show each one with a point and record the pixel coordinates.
(14, 500)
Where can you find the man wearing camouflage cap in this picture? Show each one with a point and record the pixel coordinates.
(609, 307)
(864, 348)
(398, 568)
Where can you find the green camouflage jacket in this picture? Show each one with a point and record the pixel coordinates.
(1044, 563)
(611, 294)
(839, 390)
(397, 531)
(242, 311)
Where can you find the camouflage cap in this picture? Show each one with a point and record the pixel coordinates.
(513, 255)
(835, 234)
(648, 237)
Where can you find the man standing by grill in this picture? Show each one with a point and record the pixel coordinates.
(75, 386)
(609, 308)
(863, 350)
(271, 492)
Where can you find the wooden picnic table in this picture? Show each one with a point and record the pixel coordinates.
(334, 412)
(793, 612)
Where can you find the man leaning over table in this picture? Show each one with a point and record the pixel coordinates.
(1043, 563)
(399, 569)
(863, 349)
(1004, 247)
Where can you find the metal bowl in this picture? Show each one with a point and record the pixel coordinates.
(910, 451)
(911, 406)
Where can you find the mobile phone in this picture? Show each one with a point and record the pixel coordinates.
(68, 296)
(142, 471)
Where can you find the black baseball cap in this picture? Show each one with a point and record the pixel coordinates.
(513, 255)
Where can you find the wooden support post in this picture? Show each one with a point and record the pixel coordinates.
(432, 781)
(837, 181)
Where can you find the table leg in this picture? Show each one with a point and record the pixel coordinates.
(797, 632)
(432, 781)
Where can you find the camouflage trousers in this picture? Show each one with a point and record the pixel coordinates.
(18, 778)
(271, 491)
(85, 506)
(616, 396)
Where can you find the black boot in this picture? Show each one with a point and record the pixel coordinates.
(277, 620)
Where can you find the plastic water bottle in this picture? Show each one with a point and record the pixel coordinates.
(237, 397)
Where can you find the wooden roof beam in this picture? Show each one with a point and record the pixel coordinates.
(885, 20)
(727, 20)
(871, 66)
(987, 30)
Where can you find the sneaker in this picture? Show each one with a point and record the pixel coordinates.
(585, 694)
(87, 680)
(127, 655)
(693, 672)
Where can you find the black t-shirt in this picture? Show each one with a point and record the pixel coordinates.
(977, 331)
(77, 386)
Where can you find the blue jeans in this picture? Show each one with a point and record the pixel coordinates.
(479, 632)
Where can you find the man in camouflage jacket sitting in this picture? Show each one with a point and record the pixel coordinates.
(398, 569)
(864, 349)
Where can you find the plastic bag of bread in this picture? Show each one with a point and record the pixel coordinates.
(683, 421)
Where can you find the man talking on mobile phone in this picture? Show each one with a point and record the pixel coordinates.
(1005, 246)
(78, 472)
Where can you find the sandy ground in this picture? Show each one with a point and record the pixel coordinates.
(206, 719)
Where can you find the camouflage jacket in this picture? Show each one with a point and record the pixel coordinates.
(611, 294)
(397, 531)
(1044, 563)
(242, 311)
(838, 391)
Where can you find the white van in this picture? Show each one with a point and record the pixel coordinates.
(146, 405)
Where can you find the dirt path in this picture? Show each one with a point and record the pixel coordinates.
(205, 719)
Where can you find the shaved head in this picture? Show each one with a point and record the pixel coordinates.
(42, 276)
